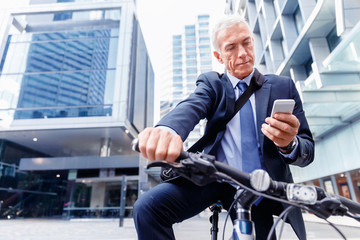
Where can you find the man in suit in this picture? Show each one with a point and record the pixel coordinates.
(279, 141)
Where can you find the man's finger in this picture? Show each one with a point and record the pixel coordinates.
(175, 147)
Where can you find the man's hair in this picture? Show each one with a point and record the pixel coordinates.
(224, 23)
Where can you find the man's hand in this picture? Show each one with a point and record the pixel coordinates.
(281, 129)
(159, 144)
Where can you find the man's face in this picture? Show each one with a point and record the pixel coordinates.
(236, 48)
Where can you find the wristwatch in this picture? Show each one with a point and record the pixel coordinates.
(290, 146)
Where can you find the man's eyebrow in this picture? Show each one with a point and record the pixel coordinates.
(247, 38)
(229, 44)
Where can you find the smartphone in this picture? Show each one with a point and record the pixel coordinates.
(283, 105)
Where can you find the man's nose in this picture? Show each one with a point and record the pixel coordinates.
(241, 51)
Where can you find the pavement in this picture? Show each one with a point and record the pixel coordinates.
(196, 228)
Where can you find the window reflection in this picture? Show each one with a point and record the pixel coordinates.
(74, 68)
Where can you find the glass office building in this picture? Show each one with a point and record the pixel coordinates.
(317, 44)
(76, 88)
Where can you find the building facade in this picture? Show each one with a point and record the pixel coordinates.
(317, 44)
(77, 86)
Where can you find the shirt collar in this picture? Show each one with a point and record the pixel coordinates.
(234, 81)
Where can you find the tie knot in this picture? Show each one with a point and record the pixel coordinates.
(242, 86)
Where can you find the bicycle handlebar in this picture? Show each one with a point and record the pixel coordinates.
(202, 169)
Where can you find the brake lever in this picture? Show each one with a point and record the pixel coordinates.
(329, 206)
(197, 168)
(161, 164)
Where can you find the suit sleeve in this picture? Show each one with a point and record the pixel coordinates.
(184, 117)
(305, 153)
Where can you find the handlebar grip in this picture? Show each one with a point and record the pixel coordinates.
(135, 147)
(353, 207)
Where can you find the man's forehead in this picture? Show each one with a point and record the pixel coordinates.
(232, 37)
(241, 27)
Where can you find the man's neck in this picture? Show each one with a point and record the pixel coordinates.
(234, 80)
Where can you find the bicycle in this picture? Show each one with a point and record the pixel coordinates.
(203, 169)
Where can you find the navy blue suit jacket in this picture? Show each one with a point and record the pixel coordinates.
(214, 99)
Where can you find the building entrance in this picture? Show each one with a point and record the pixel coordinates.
(100, 197)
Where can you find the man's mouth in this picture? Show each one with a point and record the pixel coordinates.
(243, 63)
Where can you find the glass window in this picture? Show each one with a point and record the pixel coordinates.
(190, 42)
(204, 40)
(177, 71)
(206, 63)
(205, 48)
(190, 56)
(342, 185)
(333, 39)
(203, 17)
(191, 63)
(355, 178)
(62, 69)
(308, 67)
(177, 50)
(177, 57)
(203, 24)
(205, 54)
(189, 35)
(177, 64)
(203, 32)
(329, 188)
(191, 71)
(191, 49)
(177, 79)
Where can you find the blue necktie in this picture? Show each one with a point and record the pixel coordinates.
(249, 144)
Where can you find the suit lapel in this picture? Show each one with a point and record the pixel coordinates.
(262, 97)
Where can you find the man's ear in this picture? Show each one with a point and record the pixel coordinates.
(218, 57)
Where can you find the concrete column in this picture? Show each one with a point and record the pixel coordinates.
(105, 147)
(319, 49)
(97, 195)
(321, 181)
(333, 181)
(351, 186)
(72, 175)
